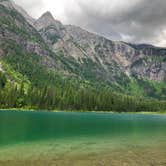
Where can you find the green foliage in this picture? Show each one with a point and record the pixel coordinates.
(15, 76)
(153, 88)
(134, 88)
(28, 65)
(3, 80)
(52, 38)
(70, 97)
(48, 90)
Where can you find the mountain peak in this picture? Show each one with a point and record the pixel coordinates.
(46, 20)
(47, 14)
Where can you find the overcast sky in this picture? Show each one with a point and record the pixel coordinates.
(138, 21)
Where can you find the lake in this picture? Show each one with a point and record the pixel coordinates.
(81, 139)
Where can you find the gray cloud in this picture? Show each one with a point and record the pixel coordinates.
(142, 21)
(138, 21)
(34, 7)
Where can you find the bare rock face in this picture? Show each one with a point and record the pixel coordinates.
(50, 29)
(45, 21)
(110, 57)
(152, 68)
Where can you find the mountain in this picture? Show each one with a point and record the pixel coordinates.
(11, 5)
(44, 49)
(118, 64)
(23, 51)
(81, 45)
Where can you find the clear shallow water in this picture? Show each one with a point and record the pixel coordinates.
(38, 138)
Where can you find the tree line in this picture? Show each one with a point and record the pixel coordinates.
(70, 97)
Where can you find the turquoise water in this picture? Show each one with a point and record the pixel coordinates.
(64, 137)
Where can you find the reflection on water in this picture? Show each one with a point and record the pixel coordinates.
(39, 138)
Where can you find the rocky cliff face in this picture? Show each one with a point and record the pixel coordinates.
(109, 58)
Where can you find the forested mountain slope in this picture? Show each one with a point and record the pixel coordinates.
(44, 53)
(136, 69)
(24, 51)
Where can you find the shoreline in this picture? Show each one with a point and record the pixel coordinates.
(76, 111)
